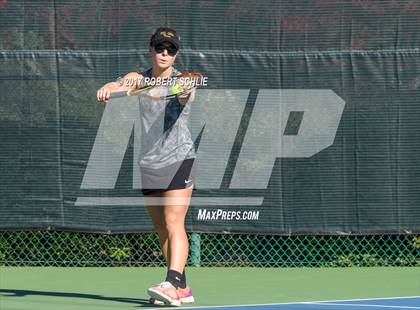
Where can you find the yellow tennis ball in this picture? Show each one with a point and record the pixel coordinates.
(176, 89)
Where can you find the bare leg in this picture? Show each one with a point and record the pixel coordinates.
(173, 205)
(158, 220)
(175, 210)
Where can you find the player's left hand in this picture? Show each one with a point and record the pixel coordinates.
(188, 90)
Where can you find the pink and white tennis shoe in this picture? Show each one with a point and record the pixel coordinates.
(164, 295)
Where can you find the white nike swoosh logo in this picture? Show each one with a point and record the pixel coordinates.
(187, 181)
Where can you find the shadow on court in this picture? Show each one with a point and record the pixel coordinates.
(23, 293)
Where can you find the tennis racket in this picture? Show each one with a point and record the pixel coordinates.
(159, 92)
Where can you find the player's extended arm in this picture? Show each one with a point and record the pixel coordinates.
(129, 81)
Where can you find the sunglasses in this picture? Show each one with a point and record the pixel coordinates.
(170, 48)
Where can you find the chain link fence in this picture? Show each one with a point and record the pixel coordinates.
(68, 249)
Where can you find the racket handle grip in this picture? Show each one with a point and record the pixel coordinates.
(118, 94)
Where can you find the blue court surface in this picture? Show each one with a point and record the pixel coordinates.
(412, 302)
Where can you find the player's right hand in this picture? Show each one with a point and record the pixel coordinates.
(103, 93)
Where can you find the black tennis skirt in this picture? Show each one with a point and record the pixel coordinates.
(179, 175)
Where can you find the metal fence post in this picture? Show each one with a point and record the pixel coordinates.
(195, 249)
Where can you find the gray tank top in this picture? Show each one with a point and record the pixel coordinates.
(165, 136)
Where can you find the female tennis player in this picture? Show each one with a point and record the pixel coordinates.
(166, 163)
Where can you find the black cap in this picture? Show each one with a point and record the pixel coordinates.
(165, 34)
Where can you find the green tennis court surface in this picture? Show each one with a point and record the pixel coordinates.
(125, 288)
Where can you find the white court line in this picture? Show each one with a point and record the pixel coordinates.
(360, 305)
(292, 303)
